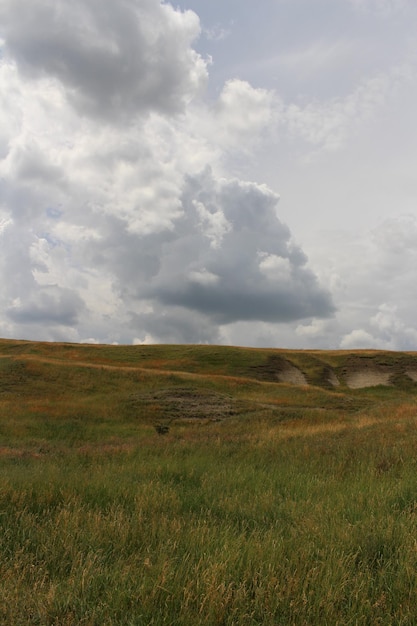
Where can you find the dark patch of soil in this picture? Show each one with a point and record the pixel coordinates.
(189, 403)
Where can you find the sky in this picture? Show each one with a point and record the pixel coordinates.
(224, 172)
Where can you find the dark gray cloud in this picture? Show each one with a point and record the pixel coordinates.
(114, 59)
(233, 259)
(227, 303)
(174, 325)
(47, 305)
(225, 258)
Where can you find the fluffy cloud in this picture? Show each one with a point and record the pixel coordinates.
(243, 113)
(373, 277)
(250, 270)
(120, 226)
(113, 60)
(387, 330)
(360, 339)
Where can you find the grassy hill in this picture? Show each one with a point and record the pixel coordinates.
(206, 485)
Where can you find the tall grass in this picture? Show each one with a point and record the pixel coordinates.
(317, 529)
(282, 513)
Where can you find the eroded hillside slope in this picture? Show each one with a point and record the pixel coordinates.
(327, 369)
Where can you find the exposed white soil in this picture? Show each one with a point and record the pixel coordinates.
(291, 375)
(412, 374)
(367, 378)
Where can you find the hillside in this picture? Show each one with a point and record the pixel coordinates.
(206, 485)
(353, 369)
(90, 384)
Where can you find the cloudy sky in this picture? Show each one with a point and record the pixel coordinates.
(226, 172)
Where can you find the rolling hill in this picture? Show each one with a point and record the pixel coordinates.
(206, 485)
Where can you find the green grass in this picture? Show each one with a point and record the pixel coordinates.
(297, 506)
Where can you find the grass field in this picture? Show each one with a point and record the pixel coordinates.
(263, 503)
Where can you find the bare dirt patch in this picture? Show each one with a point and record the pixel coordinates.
(370, 371)
(367, 378)
(292, 375)
(189, 403)
(411, 373)
(363, 371)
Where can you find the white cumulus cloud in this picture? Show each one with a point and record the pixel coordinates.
(119, 219)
